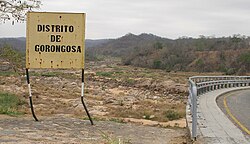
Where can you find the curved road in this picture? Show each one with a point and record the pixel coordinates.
(236, 105)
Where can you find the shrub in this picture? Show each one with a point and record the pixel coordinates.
(9, 104)
(104, 74)
(172, 115)
(158, 45)
(230, 71)
(157, 64)
(15, 58)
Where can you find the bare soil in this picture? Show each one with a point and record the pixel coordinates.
(61, 129)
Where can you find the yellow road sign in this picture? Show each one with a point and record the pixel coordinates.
(55, 40)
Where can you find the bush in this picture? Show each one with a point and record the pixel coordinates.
(126, 61)
(9, 104)
(104, 74)
(15, 58)
(230, 71)
(130, 81)
(7, 73)
(172, 115)
(157, 64)
(244, 60)
(158, 45)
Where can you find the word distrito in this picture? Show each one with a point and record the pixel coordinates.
(56, 38)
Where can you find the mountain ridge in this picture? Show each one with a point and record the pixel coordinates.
(19, 43)
(205, 54)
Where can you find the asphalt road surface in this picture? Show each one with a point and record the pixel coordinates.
(236, 105)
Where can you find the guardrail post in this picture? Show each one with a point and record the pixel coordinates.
(194, 112)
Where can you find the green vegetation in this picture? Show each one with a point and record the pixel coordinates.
(203, 54)
(167, 111)
(130, 81)
(118, 72)
(200, 44)
(15, 58)
(94, 57)
(157, 64)
(200, 62)
(230, 71)
(54, 74)
(172, 115)
(46, 74)
(117, 120)
(104, 74)
(245, 58)
(7, 73)
(111, 74)
(50, 74)
(9, 104)
(157, 45)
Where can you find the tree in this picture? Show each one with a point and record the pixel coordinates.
(157, 64)
(244, 61)
(158, 45)
(200, 64)
(15, 58)
(15, 10)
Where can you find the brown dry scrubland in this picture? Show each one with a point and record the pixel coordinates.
(128, 105)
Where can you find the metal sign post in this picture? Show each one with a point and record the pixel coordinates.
(55, 40)
(30, 95)
(82, 94)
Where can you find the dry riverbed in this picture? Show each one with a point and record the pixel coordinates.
(128, 104)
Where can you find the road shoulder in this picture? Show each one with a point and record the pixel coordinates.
(214, 125)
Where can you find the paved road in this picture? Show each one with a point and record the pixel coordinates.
(214, 126)
(236, 105)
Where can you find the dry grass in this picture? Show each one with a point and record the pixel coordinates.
(148, 109)
(58, 92)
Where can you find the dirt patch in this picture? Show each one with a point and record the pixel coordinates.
(176, 123)
(70, 130)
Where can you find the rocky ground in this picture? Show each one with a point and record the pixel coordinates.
(125, 102)
(61, 129)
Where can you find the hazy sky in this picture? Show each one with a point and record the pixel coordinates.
(167, 18)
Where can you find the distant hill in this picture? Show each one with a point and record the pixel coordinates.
(230, 55)
(94, 43)
(205, 54)
(125, 44)
(19, 43)
(16, 43)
